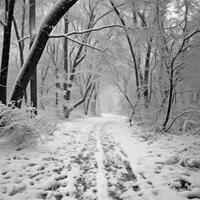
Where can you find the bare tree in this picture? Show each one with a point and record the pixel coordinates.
(29, 67)
(174, 44)
(133, 55)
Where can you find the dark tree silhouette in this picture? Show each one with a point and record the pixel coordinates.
(32, 29)
(9, 9)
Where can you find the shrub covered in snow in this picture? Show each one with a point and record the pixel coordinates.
(21, 126)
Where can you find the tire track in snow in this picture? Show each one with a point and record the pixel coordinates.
(88, 165)
(102, 191)
(121, 181)
(86, 182)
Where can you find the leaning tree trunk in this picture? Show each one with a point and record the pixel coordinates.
(94, 102)
(79, 102)
(19, 43)
(6, 50)
(89, 99)
(37, 48)
(130, 47)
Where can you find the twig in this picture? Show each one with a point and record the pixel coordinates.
(25, 38)
(95, 29)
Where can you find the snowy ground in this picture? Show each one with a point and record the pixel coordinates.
(102, 158)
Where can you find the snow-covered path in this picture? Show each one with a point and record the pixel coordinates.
(98, 158)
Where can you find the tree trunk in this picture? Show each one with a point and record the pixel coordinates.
(37, 48)
(66, 64)
(79, 102)
(32, 30)
(80, 54)
(18, 36)
(19, 43)
(9, 9)
(89, 99)
(22, 42)
(21, 49)
(170, 101)
(23, 22)
(94, 102)
(44, 73)
(131, 49)
(57, 86)
(146, 74)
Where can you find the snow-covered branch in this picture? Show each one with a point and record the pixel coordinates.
(95, 29)
(25, 38)
(76, 41)
(108, 12)
(185, 39)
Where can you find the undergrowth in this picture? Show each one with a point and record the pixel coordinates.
(22, 126)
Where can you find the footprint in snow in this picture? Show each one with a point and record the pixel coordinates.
(7, 177)
(4, 172)
(32, 164)
(40, 168)
(157, 171)
(13, 190)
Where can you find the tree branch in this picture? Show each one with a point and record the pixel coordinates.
(189, 111)
(130, 46)
(25, 38)
(108, 12)
(185, 39)
(96, 29)
(76, 41)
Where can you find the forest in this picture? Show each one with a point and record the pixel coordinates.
(93, 75)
